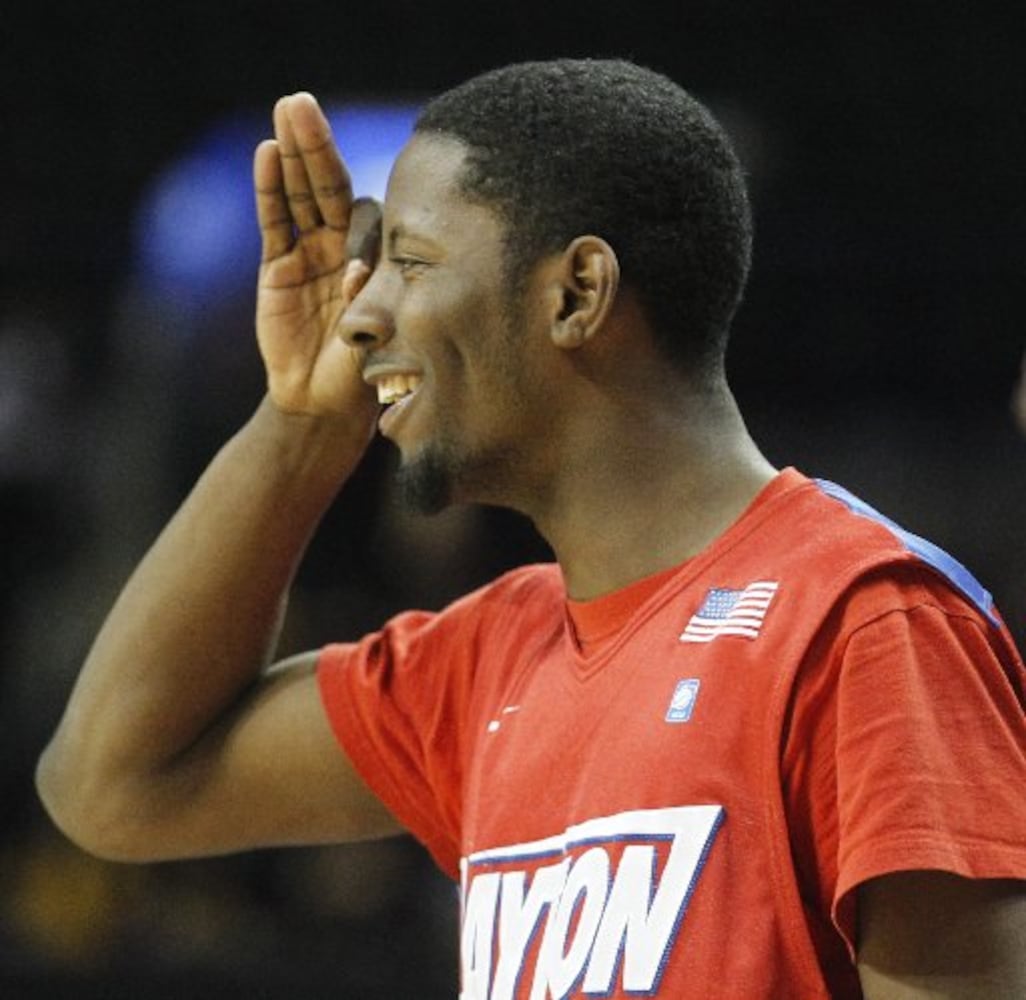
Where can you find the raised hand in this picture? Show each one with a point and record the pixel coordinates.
(318, 251)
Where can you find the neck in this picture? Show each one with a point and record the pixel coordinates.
(646, 488)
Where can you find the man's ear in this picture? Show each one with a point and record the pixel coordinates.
(587, 277)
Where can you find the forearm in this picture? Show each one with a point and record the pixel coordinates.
(197, 621)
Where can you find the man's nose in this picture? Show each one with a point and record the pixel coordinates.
(367, 323)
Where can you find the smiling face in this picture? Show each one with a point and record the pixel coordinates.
(443, 338)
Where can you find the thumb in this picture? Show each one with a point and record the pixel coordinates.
(357, 274)
(363, 241)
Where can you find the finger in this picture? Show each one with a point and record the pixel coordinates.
(363, 241)
(271, 204)
(327, 176)
(301, 203)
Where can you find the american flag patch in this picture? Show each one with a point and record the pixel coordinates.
(730, 612)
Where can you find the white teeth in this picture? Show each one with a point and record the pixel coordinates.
(392, 388)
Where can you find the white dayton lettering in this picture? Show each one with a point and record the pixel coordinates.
(568, 915)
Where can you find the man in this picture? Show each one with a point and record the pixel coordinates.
(746, 739)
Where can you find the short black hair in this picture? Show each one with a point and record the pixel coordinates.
(603, 146)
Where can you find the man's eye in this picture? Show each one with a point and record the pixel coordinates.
(407, 265)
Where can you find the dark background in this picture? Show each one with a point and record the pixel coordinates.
(879, 345)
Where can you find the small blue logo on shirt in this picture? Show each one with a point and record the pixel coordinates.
(682, 704)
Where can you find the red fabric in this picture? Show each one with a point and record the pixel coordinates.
(875, 724)
(904, 749)
(601, 619)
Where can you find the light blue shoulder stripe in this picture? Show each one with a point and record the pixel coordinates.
(930, 554)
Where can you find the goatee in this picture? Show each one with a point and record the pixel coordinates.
(425, 483)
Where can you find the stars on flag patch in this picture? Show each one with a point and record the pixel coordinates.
(731, 612)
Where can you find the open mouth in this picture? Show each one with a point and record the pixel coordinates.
(395, 394)
(394, 388)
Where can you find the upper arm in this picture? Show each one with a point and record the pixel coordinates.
(930, 934)
(269, 773)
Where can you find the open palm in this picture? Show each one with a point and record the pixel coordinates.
(307, 275)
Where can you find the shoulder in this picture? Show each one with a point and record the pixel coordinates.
(901, 544)
(540, 583)
(518, 600)
(908, 619)
(517, 603)
(843, 545)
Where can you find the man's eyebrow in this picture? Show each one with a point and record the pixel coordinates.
(399, 232)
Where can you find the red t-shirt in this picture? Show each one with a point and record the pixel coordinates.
(674, 790)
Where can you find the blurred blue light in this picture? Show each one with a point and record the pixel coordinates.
(370, 136)
(196, 234)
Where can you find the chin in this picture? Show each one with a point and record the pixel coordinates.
(425, 481)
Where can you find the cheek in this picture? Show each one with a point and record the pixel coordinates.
(466, 334)
(451, 363)
(437, 309)
(456, 323)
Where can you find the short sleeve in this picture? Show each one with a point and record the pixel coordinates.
(395, 700)
(909, 749)
(404, 701)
